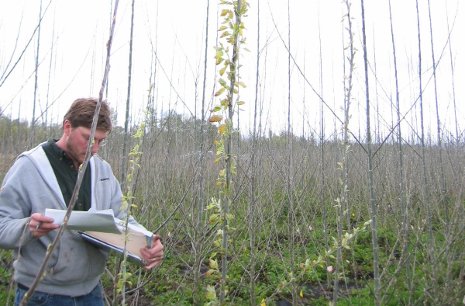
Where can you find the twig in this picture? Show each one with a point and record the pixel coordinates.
(81, 172)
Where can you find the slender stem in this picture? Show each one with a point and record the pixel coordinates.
(82, 170)
(373, 204)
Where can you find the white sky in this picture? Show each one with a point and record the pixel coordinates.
(73, 46)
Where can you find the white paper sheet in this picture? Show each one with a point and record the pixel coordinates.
(97, 220)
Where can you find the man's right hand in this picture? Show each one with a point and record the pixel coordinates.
(40, 225)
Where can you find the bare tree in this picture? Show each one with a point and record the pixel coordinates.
(290, 164)
(342, 206)
(201, 172)
(251, 213)
(10, 66)
(452, 71)
(82, 170)
(431, 278)
(373, 204)
(438, 120)
(128, 102)
(36, 78)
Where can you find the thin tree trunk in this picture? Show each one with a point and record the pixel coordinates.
(373, 204)
(452, 71)
(36, 80)
(251, 220)
(81, 172)
(322, 193)
(438, 120)
(201, 172)
(457, 214)
(228, 151)
(8, 71)
(289, 174)
(124, 158)
(430, 275)
(50, 70)
(377, 124)
(136, 173)
(203, 119)
(403, 203)
(343, 200)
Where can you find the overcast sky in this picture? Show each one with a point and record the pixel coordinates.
(74, 34)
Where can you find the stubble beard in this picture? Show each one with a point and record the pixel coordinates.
(74, 154)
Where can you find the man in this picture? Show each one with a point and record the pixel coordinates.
(44, 177)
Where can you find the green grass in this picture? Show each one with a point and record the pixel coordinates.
(6, 260)
(172, 283)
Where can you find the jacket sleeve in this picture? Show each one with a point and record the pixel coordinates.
(15, 207)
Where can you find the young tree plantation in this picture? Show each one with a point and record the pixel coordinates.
(294, 153)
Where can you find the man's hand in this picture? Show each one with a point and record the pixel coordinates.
(153, 256)
(40, 225)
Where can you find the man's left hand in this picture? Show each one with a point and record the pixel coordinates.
(153, 256)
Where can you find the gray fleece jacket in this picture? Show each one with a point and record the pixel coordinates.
(30, 186)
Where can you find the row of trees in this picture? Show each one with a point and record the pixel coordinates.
(252, 217)
(167, 190)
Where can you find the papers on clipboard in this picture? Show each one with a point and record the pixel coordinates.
(97, 220)
(104, 230)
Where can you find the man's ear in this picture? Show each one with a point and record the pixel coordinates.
(67, 127)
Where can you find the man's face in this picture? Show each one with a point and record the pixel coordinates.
(77, 139)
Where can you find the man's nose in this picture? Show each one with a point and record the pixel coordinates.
(95, 147)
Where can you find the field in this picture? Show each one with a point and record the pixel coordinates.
(296, 235)
(286, 155)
